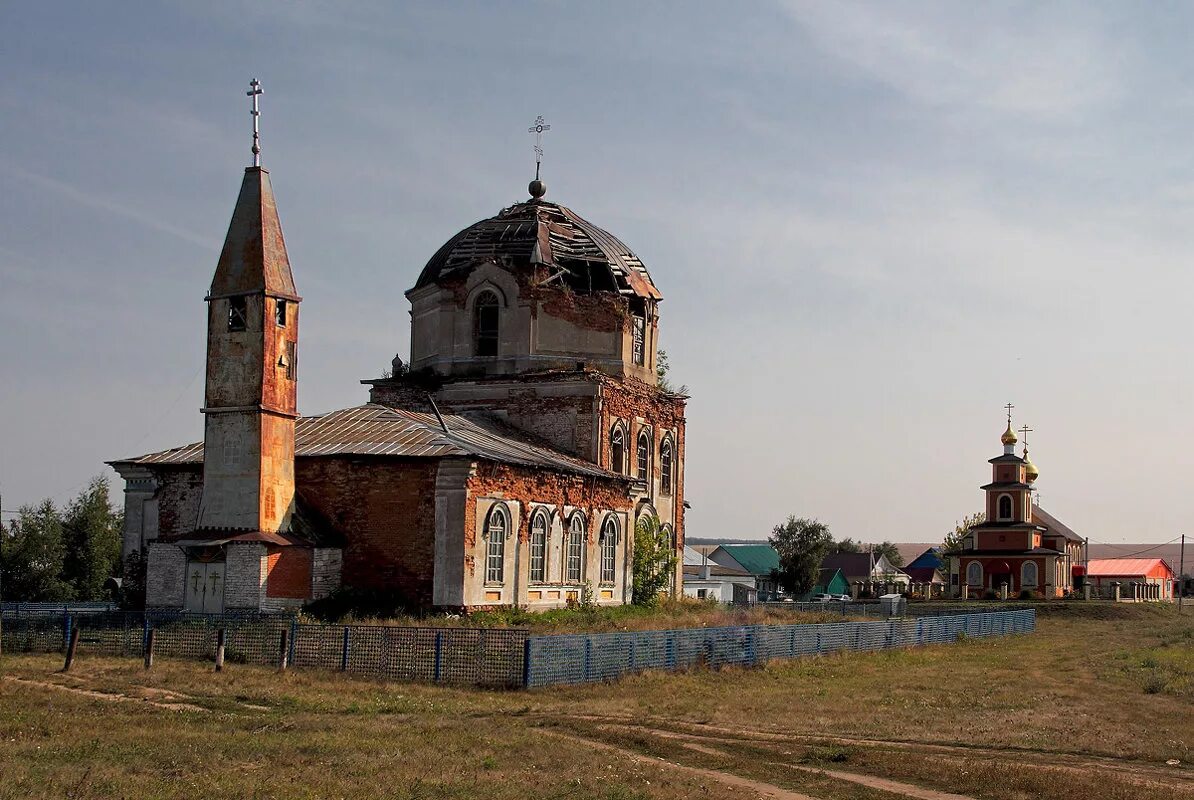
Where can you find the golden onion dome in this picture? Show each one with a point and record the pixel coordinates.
(1030, 470)
(1009, 436)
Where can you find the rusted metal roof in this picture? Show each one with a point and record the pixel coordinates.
(376, 430)
(254, 258)
(586, 257)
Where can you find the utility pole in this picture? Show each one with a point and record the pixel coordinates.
(1181, 575)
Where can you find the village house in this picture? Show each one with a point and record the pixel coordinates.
(507, 464)
(1135, 579)
(759, 560)
(1020, 547)
(708, 580)
(868, 572)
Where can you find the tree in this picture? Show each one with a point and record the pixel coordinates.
(892, 552)
(91, 533)
(662, 368)
(802, 545)
(846, 545)
(953, 540)
(34, 552)
(654, 561)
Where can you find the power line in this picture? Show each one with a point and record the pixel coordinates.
(1138, 552)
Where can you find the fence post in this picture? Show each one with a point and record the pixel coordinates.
(149, 637)
(70, 650)
(670, 650)
(344, 649)
(791, 641)
(219, 650)
(752, 644)
(284, 648)
(293, 639)
(588, 657)
(920, 630)
(144, 632)
(439, 657)
(526, 661)
(66, 625)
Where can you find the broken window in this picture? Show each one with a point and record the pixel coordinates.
(287, 359)
(609, 550)
(665, 466)
(643, 455)
(640, 326)
(238, 314)
(617, 450)
(539, 547)
(485, 324)
(280, 313)
(495, 553)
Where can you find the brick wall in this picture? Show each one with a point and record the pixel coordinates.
(386, 507)
(244, 578)
(288, 572)
(326, 563)
(164, 581)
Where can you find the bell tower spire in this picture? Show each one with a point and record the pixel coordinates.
(252, 349)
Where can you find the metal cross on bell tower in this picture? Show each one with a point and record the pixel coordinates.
(539, 128)
(254, 92)
(1009, 408)
(1024, 431)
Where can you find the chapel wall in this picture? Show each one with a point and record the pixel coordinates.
(386, 508)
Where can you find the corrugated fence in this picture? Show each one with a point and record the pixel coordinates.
(478, 656)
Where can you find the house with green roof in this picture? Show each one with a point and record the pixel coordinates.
(759, 560)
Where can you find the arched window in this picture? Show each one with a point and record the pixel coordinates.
(539, 546)
(485, 323)
(669, 536)
(643, 456)
(974, 574)
(609, 549)
(1028, 574)
(617, 450)
(496, 528)
(665, 466)
(574, 558)
(1005, 506)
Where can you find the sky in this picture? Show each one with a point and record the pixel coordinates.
(873, 225)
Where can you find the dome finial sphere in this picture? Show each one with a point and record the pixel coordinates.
(537, 188)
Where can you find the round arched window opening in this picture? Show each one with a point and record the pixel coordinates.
(539, 546)
(617, 450)
(574, 561)
(609, 550)
(486, 310)
(496, 528)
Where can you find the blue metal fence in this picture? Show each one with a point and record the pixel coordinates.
(480, 656)
(584, 658)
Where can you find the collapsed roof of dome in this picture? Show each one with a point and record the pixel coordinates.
(574, 251)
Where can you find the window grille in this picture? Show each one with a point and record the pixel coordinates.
(665, 467)
(609, 550)
(639, 336)
(495, 562)
(576, 545)
(539, 547)
(644, 455)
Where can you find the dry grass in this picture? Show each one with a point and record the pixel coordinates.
(1088, 707)
(678, 613)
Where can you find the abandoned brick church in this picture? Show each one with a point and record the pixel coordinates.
(506, 464)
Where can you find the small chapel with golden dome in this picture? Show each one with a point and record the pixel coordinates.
(1020, 549)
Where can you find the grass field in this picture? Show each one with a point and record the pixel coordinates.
(1093, 705)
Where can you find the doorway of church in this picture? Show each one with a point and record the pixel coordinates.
(205, 587)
